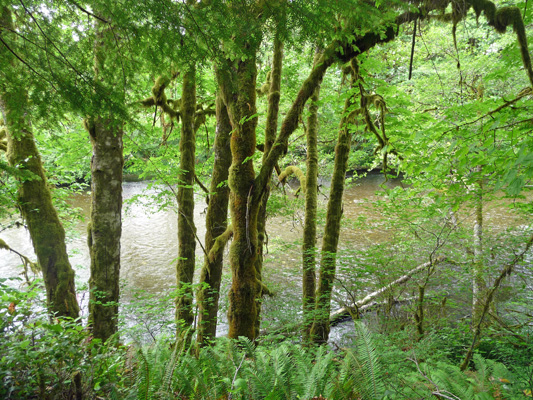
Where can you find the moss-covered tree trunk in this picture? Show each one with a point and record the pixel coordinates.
(238, 87)
(105, 227)
(320, 329)
(216, 224)
(186, 227)
(35, 203)
(34, 198)
(274, 95)
(309, 233)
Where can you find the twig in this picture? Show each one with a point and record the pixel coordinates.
(88, 12)
(235, 376)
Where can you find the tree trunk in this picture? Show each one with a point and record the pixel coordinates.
(186, 227)
(479, 285)
(309, 233)
(34, 198)
(216, 224)
(320, 328)
(105, 228)
(270, 136)
(238, 88)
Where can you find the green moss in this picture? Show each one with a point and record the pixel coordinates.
(186, 228)
(293, 170)
(320, 329)
(35, 203)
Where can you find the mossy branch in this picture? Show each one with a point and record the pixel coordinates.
(159, 98)
(293, 170)
(265, 87)
(220, 244)
(498, 18)
(26, 262)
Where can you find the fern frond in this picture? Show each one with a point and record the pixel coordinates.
(143, 377)
(370, 377)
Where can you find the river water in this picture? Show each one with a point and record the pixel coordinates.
(149, 234)
(149, 239)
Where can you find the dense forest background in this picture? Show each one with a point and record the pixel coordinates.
(336, 199)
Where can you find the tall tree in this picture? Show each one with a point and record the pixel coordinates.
(319, 332)
(217, 230)
(186, 227)
(274, 95)
(34, 198)
(311, 202)
(105, 228)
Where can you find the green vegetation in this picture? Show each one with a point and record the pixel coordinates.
(273, 112)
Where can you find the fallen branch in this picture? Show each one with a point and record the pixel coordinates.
(371, 296)
(365, 304)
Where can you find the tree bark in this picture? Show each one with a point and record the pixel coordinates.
(309, 232)
(105, 227)
(186, 227)
(270, 136)
(34, 198)
(216, 224)
(320, 329)
(238, 84)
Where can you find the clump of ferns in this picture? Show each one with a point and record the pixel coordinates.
(239, 370)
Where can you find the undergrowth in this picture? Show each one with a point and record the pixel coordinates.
(47, 359)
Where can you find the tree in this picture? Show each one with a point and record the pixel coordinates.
(34, 198)
(105, 227)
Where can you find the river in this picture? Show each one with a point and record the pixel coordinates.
(149, 236)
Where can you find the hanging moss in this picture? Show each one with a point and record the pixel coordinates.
(499, 19)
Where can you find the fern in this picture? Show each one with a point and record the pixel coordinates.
(368, 376)
(143, 376)
(319, 374)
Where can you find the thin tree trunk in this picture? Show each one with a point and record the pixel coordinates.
(320, 328)
(484, 308)
(186, 227)
(270, 136)
(216, 224)
(309, 232)
(105, 227)
(478, 279)
(34, 198)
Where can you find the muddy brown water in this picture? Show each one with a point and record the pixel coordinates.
(149, 237)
